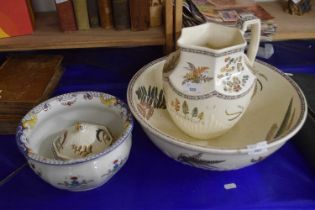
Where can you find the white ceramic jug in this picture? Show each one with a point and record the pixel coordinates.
(208, 82)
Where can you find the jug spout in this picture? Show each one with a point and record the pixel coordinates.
(211, 37)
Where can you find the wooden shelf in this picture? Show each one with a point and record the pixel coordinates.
(49, 36)
(291, 26)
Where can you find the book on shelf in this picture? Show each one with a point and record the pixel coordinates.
(121, 16)
(15, 18)
(66, 15)
(31, 12)
(156, 9)
(81, 14)
(44, 5)
(92, 6)
(105, 12)
(139, 15)
(25, 81)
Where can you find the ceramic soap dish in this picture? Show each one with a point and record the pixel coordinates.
(81, 140)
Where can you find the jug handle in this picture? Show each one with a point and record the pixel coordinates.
(254, 38)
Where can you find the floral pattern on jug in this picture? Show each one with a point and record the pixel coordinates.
(196, 75)
(231, 65)
(210, 73)
(182, 109)
(227, 73)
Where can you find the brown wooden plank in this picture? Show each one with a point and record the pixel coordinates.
(178, 18)
(49, 36)
(169, 30)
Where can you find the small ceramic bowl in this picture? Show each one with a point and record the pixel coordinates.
(40, 126)
(277, 112)
(81, 140)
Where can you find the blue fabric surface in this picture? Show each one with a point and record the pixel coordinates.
(151, 180)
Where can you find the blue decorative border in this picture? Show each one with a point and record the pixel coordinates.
(22, 140)
(204, 52)
(209, 95)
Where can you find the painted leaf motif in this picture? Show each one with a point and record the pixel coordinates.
(171, 61)
(254, 92)
(194, 112)
(271, 132)
(177, 103)
(191, 66)
(201, 116)
(259, 83)
(234, 115)
(149, 100)
(144, 91)
(150, 96)
(263, 76)
(149, 113)
(160, 100)
(185, 108)
(196, 74)
(155, 96)
(200, 70)
(197, 160)
(284, 124)
(141, 110)
(163, 104)
(291, 120)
